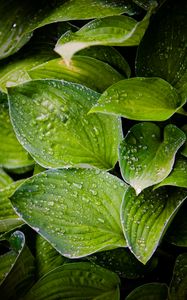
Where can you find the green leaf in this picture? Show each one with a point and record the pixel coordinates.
(8, 217)
(12, 154)
(109, 31)
(76, 281)
(47, 258)
(146, 217)
(162, 51)
(177, 232)
(146, 157)
(76, 210)
(149, 291)
(19, 18)
(5, 179)
(60, 133)
(20, 276)
(184, 148)
(178, 177)
(123, 262)
(88, 71)
(110, 56)
(178, 286)
(142, 99)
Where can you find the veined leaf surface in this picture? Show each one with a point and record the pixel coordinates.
(149, 291)
(142, 99)
(76, 210)
(60, 132)
(146, 217)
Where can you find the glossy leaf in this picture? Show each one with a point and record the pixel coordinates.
(5, 179)
(47, 258)
(20, 276)
(85, 70)
(178, 177)
(162, 51)
(177, 232)
(149, 291)
(60, 133)
(77, 211)
(109, 31)
(12, 154)
(123, 262)
(178, 286)
(8, 217)
(142, 99)
(146, 217)
(146, 157)
(77, 281)
(20, 18)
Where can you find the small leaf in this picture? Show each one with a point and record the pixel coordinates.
(109, 31)
(8, 217)
(77, 281)
(162, 51)
(12, 154)
(142, 99)
(145, 157)
(88, 71)
(19, 18)
(20, 276)
(178, 177)
(177, 231)
(146, 217)
(47, 258)
(123, 262)
(149, 291)
(60, 133)
(178, 286)
(5, 179)
(76, 210)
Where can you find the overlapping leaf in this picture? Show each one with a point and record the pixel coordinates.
(146, 217)
(19, 275)
(60, 133)
(85, 70)
(19, 18)
(163, 51)
(5, 179)
(184, 149)
(76, 281)
(77, 211)
(149, 291)
(143, 99)
(109, 31)
(16, 156)
(146, 157)
(178, 286)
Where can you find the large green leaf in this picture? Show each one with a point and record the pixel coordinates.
(178, 177)
(47, 258)
(20, 274)
(5, 179)
(146, 217)
(123, 262)
(149, 291)
(163, 51)
(12, 154)
(88, 71)
(19, 18)
(76, 281)
(142, 99)
(146, 157)
(8, 217)
(109, 31)
(76, 210)
(60, 133)
(178, 286)
(177, 231)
